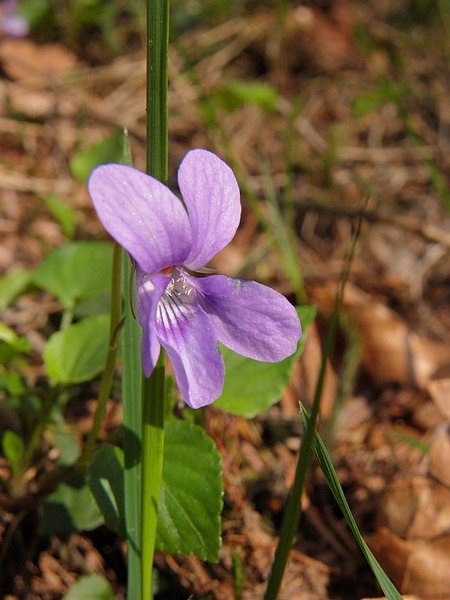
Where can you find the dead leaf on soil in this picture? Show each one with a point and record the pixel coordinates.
(417, 508)
(309, 371)
(35, 64)
(439, 457)
(439, 390)
(419, 567)
(391, 350)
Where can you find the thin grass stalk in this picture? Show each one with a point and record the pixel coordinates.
(132, 417)
(132, 439)
(153, 388)
(292, 513)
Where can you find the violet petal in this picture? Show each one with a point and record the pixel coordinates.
(142, 215)
(211, 193)
(249, 318)
(188, 337)
(14, 26)
(149, 292)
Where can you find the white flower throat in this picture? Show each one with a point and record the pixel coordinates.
(177, 300)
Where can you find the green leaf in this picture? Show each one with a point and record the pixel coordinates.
(10, 337)
(13, 449)
(78, 353)
(109, 149)
(96, 305)
(90, 587)
(71, 507)
(12, 382)
(191, 494)
(13, 285)
(63, 214)
(106, 481)
(329, 472)
(386, 92)
(67, 443)
(76, 271)
(251, 386)
(11, 344)
(235, 94)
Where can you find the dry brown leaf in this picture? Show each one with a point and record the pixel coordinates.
(408, 597)
(416, 508)
(308, 373)
(353, 421)
(439, 390)
(439, 457)
(391, 350)
(35, 64)
(415, 566)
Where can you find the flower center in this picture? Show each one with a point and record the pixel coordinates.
(176, 302)
(180, 289)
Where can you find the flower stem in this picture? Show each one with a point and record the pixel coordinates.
(153, 388)
(107, 377)
(152, 459)
(292, 512)
(157, 58)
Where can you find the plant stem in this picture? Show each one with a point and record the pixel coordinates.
(152, 459)
(157, 58)
(107, 377)
(132, 417)
(153, 388)
(292, 513)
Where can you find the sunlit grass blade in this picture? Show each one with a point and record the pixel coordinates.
(330, 475)
(132, 418)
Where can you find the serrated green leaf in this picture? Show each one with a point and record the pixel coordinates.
(13, 449)
(63, 214)
(78, 353)
(191, 493)
(106, 481)
(76, 271)
(251, 386)
(90, 587)
(13, 285)
(327, 467)
(71, 507)
(107, 150)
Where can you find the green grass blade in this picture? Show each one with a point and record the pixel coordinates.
(330, 475)
(132, 418)
(153, 388)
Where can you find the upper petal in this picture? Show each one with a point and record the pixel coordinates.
(211, 193)
(188, 337)
(142, 215)
(149, 292)
(250, 318)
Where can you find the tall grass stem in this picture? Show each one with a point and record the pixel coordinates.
(153, 388)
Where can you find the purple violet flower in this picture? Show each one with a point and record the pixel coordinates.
(189, 315)
(12, 24)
